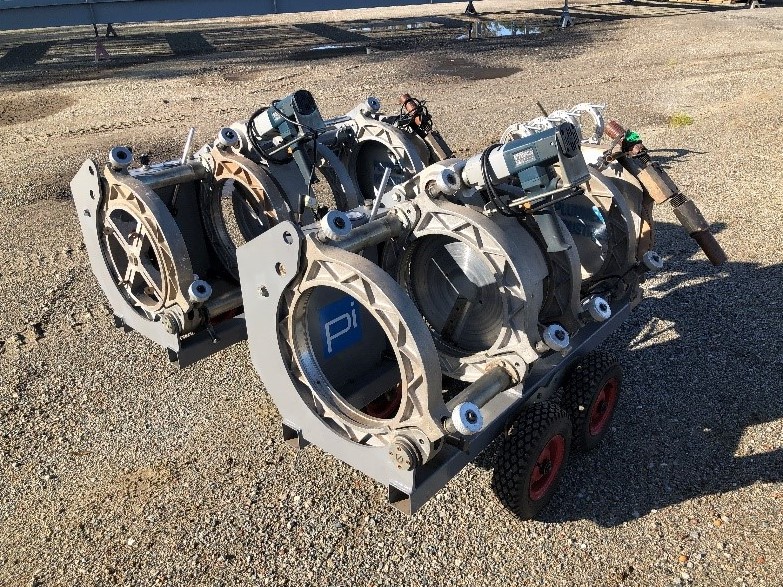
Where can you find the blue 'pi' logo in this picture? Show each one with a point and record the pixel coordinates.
(340, 325)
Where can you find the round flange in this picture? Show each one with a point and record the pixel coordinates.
(239, 203)
(602, 226)
(361, 353)
(477, 286)
(143, 247)
(377, 146)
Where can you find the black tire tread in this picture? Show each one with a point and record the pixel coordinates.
(520, 445)
(579, 390)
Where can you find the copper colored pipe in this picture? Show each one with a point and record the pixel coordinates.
(613, 130)
(685, 209)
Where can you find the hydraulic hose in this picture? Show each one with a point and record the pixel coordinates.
(660, 187)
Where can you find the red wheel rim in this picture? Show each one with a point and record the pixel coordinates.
(385, 406)
(603, 406)
(547, 466)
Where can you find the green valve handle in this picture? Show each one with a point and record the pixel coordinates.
(632, 137)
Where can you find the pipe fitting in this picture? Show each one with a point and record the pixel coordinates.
(199, 291)
(335, 225)
(597, 308)
(556, 337)
(652, 261)
(120, 158)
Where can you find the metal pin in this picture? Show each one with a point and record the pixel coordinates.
(380, 191)
(188, 144)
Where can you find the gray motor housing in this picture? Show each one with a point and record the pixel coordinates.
(529, 157)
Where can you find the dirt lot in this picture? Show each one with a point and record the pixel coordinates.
(117, 468)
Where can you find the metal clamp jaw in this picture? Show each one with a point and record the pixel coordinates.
(357, 369)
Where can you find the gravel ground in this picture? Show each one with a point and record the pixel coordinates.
(117, 468)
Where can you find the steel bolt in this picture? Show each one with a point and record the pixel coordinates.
(404, 454)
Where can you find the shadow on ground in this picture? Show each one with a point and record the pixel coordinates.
(666, 156)
(68, 54)
(702, 364)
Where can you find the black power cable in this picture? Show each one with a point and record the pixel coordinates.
(408, 117)
(490, 193)
(309, 135)
(250, 129)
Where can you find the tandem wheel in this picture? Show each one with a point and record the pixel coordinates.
(532, 458)
(590, 393)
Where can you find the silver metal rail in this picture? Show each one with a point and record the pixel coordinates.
(28, 14)
(408, 491)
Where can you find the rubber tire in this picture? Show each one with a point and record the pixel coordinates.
(581, 389)
(523, 443)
